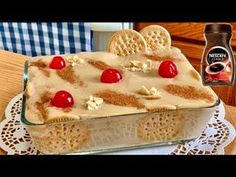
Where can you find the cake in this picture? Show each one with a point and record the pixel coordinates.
(140, 90)
(131, 94)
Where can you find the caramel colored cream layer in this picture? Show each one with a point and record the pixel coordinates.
(140, 90)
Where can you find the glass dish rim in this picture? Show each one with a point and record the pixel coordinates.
(130, 147)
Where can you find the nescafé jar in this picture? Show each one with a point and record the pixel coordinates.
(217, 66)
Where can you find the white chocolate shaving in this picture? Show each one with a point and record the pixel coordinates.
(74, 60)
(93, 103)
(152, 93)
(136, 65)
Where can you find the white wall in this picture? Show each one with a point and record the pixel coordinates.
(103, 31)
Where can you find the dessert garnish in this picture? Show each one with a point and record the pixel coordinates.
(99, 64)
(57, 62)
(74, 60)
(189, 92)
(152, 93)
(136, 65)
(120, 99)
(167, 69)
(110, 76)
(93, 102)
(62, 99)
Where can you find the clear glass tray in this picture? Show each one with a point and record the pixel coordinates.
(115, 133)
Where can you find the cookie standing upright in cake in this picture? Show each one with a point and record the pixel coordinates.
(218, 58)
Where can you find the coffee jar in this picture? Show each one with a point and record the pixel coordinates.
(217, 65)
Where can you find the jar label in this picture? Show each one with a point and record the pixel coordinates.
(217, 54)
(217, 67)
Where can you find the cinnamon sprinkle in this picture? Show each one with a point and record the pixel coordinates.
(46, 96)
(39, 63)
(189, 92)
(45, 71)
(44, 102)
(40, 105)
(120, 99)
(43, 111)
(68, 75)
(42, 66)
(99, 64)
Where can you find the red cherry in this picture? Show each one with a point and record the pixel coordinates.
(167, 69)
(62, 99)
(110, 76)
(57, 62)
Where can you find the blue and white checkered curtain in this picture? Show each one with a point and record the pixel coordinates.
(35, 39)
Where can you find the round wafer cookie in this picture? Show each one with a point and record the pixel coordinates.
(61, 138)
(61, 119)
(127, 42)
(161, 126)
(156, 37)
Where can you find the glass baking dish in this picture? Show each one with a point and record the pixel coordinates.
(115, 133)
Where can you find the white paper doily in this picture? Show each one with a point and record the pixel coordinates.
(14, 139)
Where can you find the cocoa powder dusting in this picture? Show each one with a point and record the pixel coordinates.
(120, 99)
(99, 64)
(189, 92)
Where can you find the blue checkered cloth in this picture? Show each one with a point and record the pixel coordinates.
(52, 38)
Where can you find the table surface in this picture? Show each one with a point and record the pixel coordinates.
(11, 81)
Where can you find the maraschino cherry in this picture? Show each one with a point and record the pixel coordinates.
(167, 69)
(62, 99)
(110, 76)
(57, 62)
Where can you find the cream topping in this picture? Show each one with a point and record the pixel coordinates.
(129, 85)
